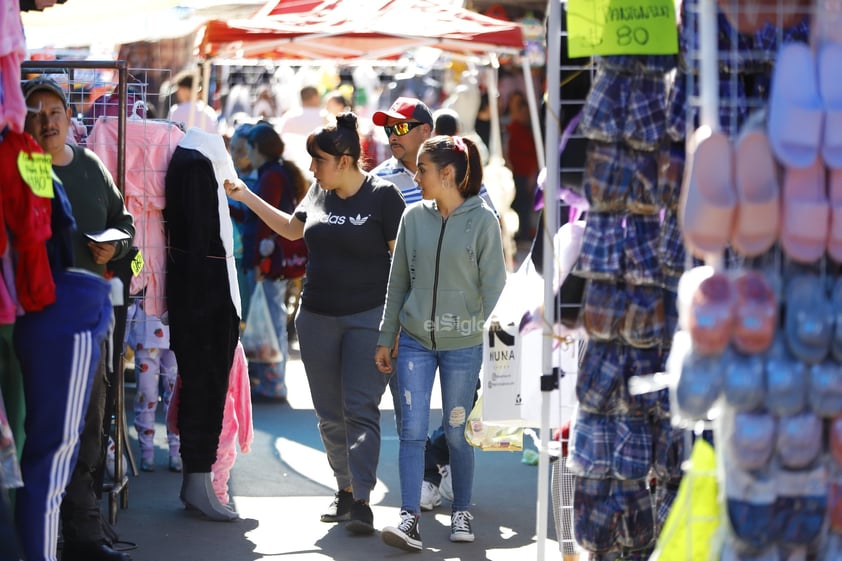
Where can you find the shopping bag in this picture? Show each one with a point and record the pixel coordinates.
(259, 339)
(490, 437)
(512, 360)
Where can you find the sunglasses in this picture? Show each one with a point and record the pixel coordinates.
(400, 129)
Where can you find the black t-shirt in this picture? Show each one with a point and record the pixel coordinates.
(348, 244)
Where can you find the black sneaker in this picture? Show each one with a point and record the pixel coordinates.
(460, 526)
(362, 519)
(340, 509)
(407, 535)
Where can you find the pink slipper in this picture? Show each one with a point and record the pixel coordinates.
(795, 107)
(834, 192)
(708, 200)
(758, 216)
(755, 313)
(830, 87)
(712, 315)
(806, 213)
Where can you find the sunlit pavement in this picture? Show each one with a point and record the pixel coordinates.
(283, 485)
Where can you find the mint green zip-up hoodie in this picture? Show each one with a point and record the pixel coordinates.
(446, 276)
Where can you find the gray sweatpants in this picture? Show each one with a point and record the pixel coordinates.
(346, 388)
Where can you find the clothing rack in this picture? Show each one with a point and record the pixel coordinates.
(118, 491)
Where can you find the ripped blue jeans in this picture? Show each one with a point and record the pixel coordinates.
(458, 373)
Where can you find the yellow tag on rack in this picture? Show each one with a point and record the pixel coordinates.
(621, 27)
(37, 172)
(137, 263)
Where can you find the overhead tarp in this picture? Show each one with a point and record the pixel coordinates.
(355, 29)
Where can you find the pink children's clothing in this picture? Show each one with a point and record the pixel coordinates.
(149, 147)
(237, 426)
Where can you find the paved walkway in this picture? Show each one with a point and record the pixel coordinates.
(284, 484)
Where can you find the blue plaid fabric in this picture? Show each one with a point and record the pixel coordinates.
(596, 516)
(604, 112)
(608, 176)
(671, 175)
(636, 530)
(602, 309)
(668, 451)
(645, 124)
(642, 362)
(798, 520)
(671, 253)
(643, 323)
(592, 445)
(599, 377)
(644, 192)
(633, 447)
(641, 266)
(665, 494)
(635, 64)
(670, 314)
(600, 256)
(751, 522)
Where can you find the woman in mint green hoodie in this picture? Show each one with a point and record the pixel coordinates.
(447, 273)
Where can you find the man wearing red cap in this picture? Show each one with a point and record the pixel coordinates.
(408, 123)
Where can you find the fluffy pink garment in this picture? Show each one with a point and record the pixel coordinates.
(12, 53)
(237, 426)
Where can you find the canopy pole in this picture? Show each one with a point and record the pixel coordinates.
(533, 110)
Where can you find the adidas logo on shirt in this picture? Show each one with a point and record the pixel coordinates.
(339, 220)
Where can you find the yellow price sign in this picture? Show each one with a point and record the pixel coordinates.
(137, 263)
(621, 27)
(37, 172)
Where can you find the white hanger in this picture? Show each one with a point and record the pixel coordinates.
(135, 116)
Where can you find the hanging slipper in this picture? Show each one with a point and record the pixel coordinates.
(711, 315)
(836, 310)
(744, 382)
(758, 217)
(834, 192)
(755, 313)
(805, 213)
(799, 440)
(708, 200)
(825, 391)
(809, 324)
(795, 107)
(830, 89)
(786, 381)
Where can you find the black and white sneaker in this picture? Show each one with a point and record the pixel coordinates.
(460, 526)
(340, 509)
(407, 535)
(362, 519)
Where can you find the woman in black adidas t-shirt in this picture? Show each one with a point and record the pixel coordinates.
(349, 220)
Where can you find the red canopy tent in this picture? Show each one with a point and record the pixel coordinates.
(354, 29)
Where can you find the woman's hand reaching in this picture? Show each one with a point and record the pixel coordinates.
(235, 189)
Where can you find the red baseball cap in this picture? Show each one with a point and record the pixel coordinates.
(404, 109)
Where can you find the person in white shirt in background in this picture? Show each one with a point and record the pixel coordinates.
(190, 110)
(305, 119)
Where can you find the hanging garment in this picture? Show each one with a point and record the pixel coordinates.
(149, 148)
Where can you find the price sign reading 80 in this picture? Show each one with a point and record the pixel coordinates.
(617, 27)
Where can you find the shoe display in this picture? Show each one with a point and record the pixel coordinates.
(340, 509)
(175, 464)
(430, 496)
(446, 485)
(407, 534)
(362, 519)
(91, 551)
(460, 526)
